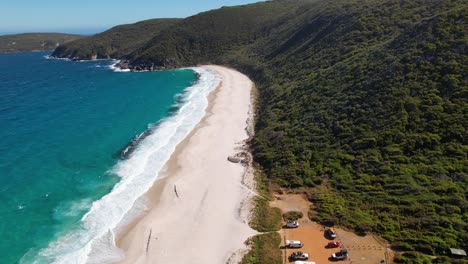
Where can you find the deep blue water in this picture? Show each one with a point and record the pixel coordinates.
(62, 127)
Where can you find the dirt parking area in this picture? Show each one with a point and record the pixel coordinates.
(363, 250)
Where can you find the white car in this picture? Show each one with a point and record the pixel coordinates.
(343, 254)
(299, 256)
(294, 244)
(303, 262)
(292, 224)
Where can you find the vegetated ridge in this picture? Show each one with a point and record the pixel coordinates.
(34, 41)
(116, 42)
(363, 103)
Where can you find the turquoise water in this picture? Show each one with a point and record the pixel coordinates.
(63, 126)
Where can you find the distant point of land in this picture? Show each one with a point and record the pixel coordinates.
(34, 41)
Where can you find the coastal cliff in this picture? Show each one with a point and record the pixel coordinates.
(361, 103)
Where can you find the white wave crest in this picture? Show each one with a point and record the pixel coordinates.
(95, 241)
(117, 69)
(49, 57)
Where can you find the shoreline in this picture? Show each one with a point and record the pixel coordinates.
(112, 213)
(161, 181)
(195, 205)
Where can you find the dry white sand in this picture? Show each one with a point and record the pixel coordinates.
(202, 223)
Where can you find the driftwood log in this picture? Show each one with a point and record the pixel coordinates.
(234, 159)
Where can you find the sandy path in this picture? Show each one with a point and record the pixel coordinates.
(195, 208)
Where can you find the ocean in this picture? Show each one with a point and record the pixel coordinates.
(80, 143)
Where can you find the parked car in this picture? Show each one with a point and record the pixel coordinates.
(331, 232)
(299, 256)
(292, 224)
(343, 254)
(304, 262)
(333, 244)
(294, 244)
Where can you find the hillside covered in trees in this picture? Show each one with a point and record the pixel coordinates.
(34, 41)
(363, 104)
(115, 42)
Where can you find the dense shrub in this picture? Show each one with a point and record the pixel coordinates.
(293, 215)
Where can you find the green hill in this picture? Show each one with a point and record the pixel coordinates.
(362, 104)
(209, 36)
(115, 42)
(34, 41)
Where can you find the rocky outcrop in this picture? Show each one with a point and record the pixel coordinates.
(135, 66)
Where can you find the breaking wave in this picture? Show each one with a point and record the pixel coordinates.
(94, 242)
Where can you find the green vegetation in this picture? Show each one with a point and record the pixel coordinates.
(262, 183)
(364, 102)
(264, 217)
(293, 215)
(413, 258)
(115, 42)
(447, 260)
(210, 36)
(418, 258)
(265, 249)
(34, 41)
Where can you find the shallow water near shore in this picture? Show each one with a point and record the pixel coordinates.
(64, 126)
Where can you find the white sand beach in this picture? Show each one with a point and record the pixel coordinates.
(195, 205)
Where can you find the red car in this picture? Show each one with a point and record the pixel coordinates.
(333, 244)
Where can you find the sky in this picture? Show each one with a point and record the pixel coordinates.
(93, 16)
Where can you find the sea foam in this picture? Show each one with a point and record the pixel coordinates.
(95, 241)
(114, 67)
